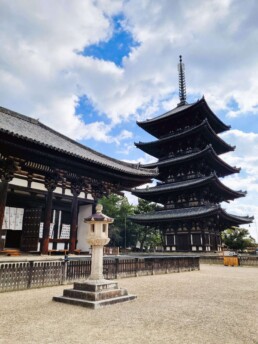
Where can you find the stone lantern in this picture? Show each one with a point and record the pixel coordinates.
(97, 237)
(96, 291)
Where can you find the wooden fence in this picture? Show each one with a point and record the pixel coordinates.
(35, 274)
(243, 260)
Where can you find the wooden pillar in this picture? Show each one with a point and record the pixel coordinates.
(189, 228)
(76, 189)
(6, 175)
(203, 227)
(217, 234)
(203, 240)
(50, 184)
(3, 197)
(176, 236)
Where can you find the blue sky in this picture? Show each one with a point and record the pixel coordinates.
(91, 69)
(118, 46)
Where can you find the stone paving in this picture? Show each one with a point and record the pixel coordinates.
(214, 305)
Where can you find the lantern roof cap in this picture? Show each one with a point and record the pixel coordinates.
(99, 216)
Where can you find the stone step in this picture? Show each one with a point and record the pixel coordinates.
(93, 304)
(95, 296)
(95, 287)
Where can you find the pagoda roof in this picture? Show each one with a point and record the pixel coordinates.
(204, 128)
(160, 189)
(152, 126)
(33, 131)
(185, 214)
(208, 151)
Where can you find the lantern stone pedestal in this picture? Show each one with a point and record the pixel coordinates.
(96, 291)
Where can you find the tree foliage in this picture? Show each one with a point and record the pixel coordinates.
(123, 232)
(148, 237)
(118, 208)
(237, 238)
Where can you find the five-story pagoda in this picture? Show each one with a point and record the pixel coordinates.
(188, 148)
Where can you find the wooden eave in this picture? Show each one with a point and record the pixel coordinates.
(152, 125)
(18, 196)
(186, 214)
(58, 159)
(207, 152)
(186, 186)
(154, 147)
(30, 132)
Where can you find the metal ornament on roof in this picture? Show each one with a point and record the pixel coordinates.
(182, 84)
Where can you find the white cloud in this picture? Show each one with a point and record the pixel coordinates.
(131, 198)
(246, 157)
(143, 160)
(40, 69)
(219, 46)
(246, 153)
(126, 148)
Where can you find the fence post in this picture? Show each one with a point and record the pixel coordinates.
(30, 274)
(153, 266)
(116, 267)
(64, 270)
(136, 266)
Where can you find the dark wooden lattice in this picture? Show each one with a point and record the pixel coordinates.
(30, 231)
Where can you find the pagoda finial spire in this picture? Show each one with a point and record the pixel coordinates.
(182, 86)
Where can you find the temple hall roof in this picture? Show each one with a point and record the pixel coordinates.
(32, 130)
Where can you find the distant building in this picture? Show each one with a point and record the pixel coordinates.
(188, 148)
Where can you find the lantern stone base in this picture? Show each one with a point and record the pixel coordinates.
(94, 294)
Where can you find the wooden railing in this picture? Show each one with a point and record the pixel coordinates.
(35, 274)
(32, 274)
(243, 260)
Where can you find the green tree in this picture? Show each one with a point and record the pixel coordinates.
(148, 237)
(123, 232)
(118, 207)
(126, 227)
(237, 238)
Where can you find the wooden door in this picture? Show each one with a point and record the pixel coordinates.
(182, 242)
(30, 229)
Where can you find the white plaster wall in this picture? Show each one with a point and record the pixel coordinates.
(39, 186)
(60, 246)
(82, 195)
(84, 211)
(68, 192)
(19, 182)
(58, 190)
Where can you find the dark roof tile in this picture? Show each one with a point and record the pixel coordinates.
(34, 131)
(186, 213)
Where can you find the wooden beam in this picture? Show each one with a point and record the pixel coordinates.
(76, 188)
(6, 175)
(50, 184)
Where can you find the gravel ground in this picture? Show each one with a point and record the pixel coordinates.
(214, 305)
